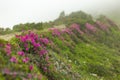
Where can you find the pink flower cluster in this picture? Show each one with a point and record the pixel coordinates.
(90, 27)
(28, 37)
(13, 59)
(44, 40)
(69, 30)
(101, 25)
(21, 53)
(31, 67)
(76, 27)
(66, 30)
(55, 31)
(31, 37)
(25, 60)
(8, 49)
(31, 43)
(43, 52)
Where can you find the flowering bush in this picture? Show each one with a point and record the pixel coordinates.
(30, 49)
(13, 59)
(66, 30)
(8, 49)
(55, 31)
(31, 43)
(101, 25)
(90, 27)
(76, 27)
(69, 30)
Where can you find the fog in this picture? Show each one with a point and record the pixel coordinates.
(21, 11)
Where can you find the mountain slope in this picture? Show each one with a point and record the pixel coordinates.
(83, 50)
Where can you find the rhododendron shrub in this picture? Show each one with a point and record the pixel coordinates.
(31, 49)
(64, 34)
(8, 49)
(55, 31)
(102, 26)
(66, 30)
(76, 27)
(72, 30)
(90, 27)
(32, 44)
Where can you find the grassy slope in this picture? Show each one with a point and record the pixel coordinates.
(91, 56)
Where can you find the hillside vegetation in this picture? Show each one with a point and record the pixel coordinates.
(84, 49)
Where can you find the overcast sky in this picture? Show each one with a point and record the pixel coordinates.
(21, 11)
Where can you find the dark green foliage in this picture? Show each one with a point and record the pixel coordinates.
(75, 17)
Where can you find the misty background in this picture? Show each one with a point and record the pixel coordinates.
(22, 11)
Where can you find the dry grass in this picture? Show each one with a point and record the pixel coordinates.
(7, 37)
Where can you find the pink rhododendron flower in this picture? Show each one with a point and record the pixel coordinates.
(55, 31)
(45, 69)
(101, 25)
(27, 49)
(25, 45)
(21, 53)
(31, 43)
(29, 76)
(90, 27)
(6, 71)
(67, 30)
(42, 52)
(13, 59)
(44, 40)
(76, 27)
(31, 67)
(25, 60)
(8, 49)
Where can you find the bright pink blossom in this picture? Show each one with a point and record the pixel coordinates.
(27, 49)
(55, 31)
(13, 59)
(76, 27)
(90, 27)
(25, 60)
(44, 40)
(43, 52)
(31, 67)
(21, 53)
